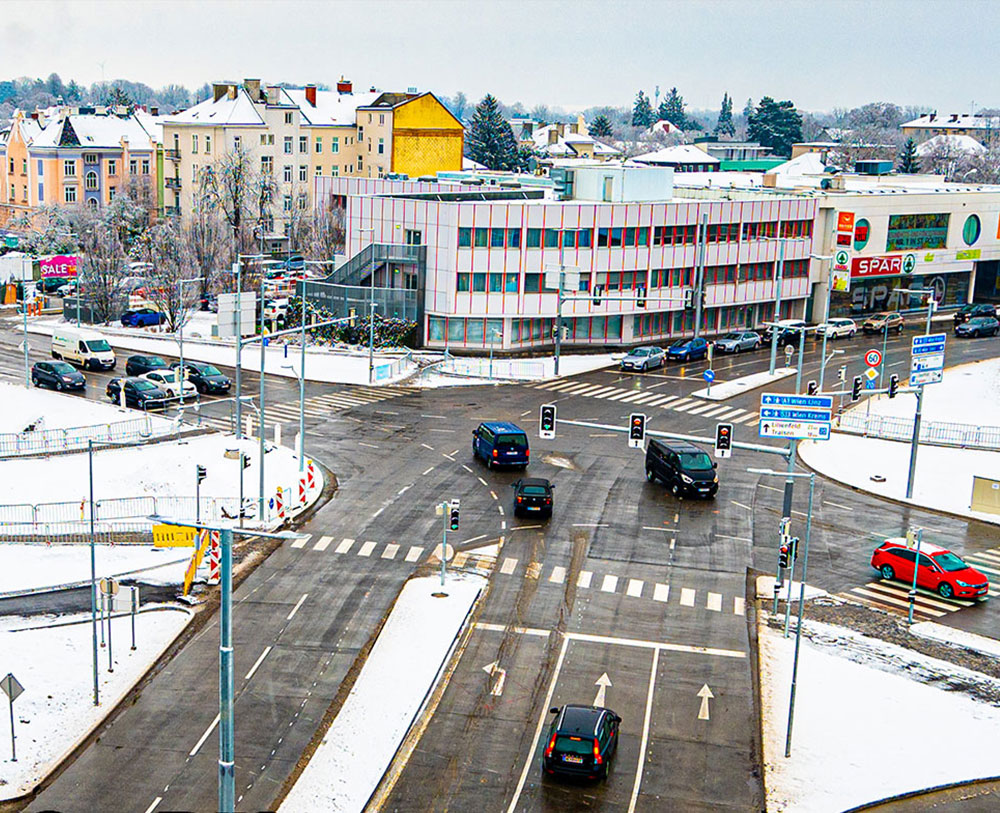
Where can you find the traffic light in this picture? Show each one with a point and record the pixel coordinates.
(783, 551)
(893, 385)
(202, 473)
(547, 421)
(856, 388)
(636, 430)
(812, 388)
(245, 458)
(723, 440)
(842, 374)
(453, 515)
(793, 544)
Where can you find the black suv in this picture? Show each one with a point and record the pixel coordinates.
(582, 741)
(533, 495)
(205, 377)
(137, 365)
(58, 375)
(684, 467)
(967, 312)
(139, 393)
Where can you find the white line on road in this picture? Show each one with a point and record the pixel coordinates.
(687, 597)
(739, 605)
(503, 525)
(369, 445)
(661, 592)
(467, 468)
(474, 539)
(323, 543)
(427, 472)
(837, 505)
(257, 663)
(481, 480)
(298, 604)
(152, 807)
(205, 736)
(741, 505)
(583, 580)
(482, 625)
(344, 546)
(414, 553)
(714, 602)
(427, 447)
(770, 488)
(380, 510)
(645, 732)
(390, 551)
(699, 650)
(735, 538)
(402, 491)
(558, 575)
(590, 525)
(665, 530)
(508, 566)
(634, 588)
(493, 494)
(609, 584)
(366, 549)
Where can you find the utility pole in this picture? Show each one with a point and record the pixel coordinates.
(700, 273)
(227, 736)
(238, 273)
(777, 305)
(93, 569)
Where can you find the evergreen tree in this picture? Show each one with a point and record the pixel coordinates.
(672, 109)
(724, 126)
(491, 141)
(600, 127)
(777, 125)
(642, 111)
(908, 160)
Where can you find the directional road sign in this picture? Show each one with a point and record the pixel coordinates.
(873, 358)
(927, 359)
(709, 376)
(804, 417)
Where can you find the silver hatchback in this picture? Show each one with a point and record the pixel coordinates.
(643, 358)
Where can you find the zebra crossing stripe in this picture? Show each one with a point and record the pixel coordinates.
(460, 559)
(660, 400)
(646, 399)
(390, 551)
(713, 413)
(634, 588)
(603, 392)
(683, 405)
(610, 583)
(344, 546)
(590, 390)
(618, 395)
(723, 416)
(414, 553)
(583, 580)
(547, 385)
(699, 409)
(687, 597)
(578, 387)
(323, 544)
(739, 605)
(635, 396)
(366, 549)
(508, 566)
(714, 602)
(558, 575)
(661, 592)
(884, 598)
(301, 543)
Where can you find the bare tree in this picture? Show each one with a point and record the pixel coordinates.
(230, 187)
(103, 267)
(171, 262)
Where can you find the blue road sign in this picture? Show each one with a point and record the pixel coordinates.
(932, 343)
(808, 401)
(802, 417)
(709, 376)
(795, 414)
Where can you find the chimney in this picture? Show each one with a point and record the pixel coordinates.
(154, 111)
(273, 94)
(561, 128)
(311, 94)
(553, 134)
(252, 87)
(574, 128)
(219, 90)
(372, 89)
(344, 85)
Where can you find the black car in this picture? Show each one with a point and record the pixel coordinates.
(684, 467)
(50, 285)
(533, 495)
(57, 374)
(205, 377)
(139, 393)
(137, 365)
(978, 326)
(582, 741)
(967, 312)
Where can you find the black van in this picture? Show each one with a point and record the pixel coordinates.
(685, 468)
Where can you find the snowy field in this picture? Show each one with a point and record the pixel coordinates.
(54, 666)
(420, 631)
(862, 733)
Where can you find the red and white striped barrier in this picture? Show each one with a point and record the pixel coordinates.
(302, 490)
(310, 474)
(279, 502)
(214, 560)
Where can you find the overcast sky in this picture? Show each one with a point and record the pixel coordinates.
(820, 54)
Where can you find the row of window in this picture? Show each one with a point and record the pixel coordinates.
(681, 323)
(69, 167)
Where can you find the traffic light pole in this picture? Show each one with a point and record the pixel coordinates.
(700, 271)
(914, 443)
(444, 538)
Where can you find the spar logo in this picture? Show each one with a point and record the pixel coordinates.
(883, 265)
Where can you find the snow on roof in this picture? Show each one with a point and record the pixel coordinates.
(221, 111)
(97, 130)
(663, 126)
(331, 107)
(468, 163)
(809, 163)
(564, 144)
(679, 154)
(954, 121)
(950, 143)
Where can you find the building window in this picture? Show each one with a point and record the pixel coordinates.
(534, 239)
(286, 175)
(361, 133)
(381, 146)
(88, 158)
(194, 173)
(112, 166)
(288, 118)
(10, 162)
(303, 172)
(208, 143)
(334, 171)
(70, 194)
(319, 170)
(133, 167)
(90, 181)
(24, 193)
(335, 144)
(360, 163)
(69, 170)
(237, 143)
(145, 166)
(304, 144)
(194, 143)
(302, 200)
(319, 144)
(288, 145)
(266, 164)
(266, 138)
(287, 203)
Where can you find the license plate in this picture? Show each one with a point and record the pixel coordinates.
(573, 758)
(533, 508)
(511, 453)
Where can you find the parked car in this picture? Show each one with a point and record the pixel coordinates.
(684, 467)
(533, 495)
(170, 382)
(967, 312)
(84, 347)
(69, 289)
(738, 340)
(276, 310)
(883, 323)
(143, 317)
(49, 285)
(499, 443)
(939, 570)
(978, 326)
(296, 263)
(789, 331)
(205, 377)
(57, 374)
(688, 349)
(137, 365)
(643, 358)
(582, 741)
(837, 328)
(139, 393)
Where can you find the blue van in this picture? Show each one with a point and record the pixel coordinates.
(500, 443)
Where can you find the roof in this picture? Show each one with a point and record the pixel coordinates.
(925, 547)
(663, 126)
(679, 154)
(579, 720)
(809, 163)
(564, 144)
(97, 130)
(954, 121)
(222, 111)
(502, 426)
(950, 143)
(332, 108)
(677, 445)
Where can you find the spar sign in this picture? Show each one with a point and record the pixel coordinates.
(61, 265)
(883, 265)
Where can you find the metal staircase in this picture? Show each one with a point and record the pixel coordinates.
(363, 264)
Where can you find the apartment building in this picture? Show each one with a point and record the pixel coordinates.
(980, 127)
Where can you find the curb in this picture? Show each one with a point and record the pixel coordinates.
(56, 588)
(916, 794)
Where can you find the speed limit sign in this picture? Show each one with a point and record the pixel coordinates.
(873, 358)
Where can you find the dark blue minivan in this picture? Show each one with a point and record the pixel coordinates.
(500, 443)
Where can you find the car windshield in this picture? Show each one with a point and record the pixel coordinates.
(155, 361)
(538, 491)
(640, 351)
(144, 385)
(734, 336)
(680, 343)
(574, 745)
(949, 562)
(695, 461)
(208, 369)
(168, 377)
(512, 440)
(98, 346)
(62, 368)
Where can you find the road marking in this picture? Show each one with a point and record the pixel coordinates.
(699, 409)
(257, 663)
(739, 605)
(439, 417)
(427, 447)
(474, 539)
(492, 669)
(414, 553)
(837, 505)
(741, 505)
(645, 732)
(500, 509)
(609, 584)
(735, 538)
(460, 559)
(481, 480)
(323, 543)
(602, 684)
(634, 588)
(635, 642)
(152, 807)
(897, 363)
(558, 575)
(298, 604)
(369, 445)
(493, 494)
(665, 530)
(583, 580)
(673, 543)
(635, 396)
(590, 525)
(508, 566)
(683, 405)
(402, 491)
(771, 488)
(714, 602)
(390, 551)
(467, 468)
(503, 525)
(705, 694)
(427, 472)
(687, 597)
(301, 542)
(205, 736)
(344, 546)
(366, 549)
(380, 510)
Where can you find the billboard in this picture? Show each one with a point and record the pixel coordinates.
(909, 232)
(59, 265)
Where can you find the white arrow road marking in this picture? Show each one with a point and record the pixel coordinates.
(602, 684)
(494, 670)
(705, 694)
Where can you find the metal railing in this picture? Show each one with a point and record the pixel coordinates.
(394, 369)
(932, 433)
(501, 369)
(47, 441)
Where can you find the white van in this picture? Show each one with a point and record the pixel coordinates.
(84, 347)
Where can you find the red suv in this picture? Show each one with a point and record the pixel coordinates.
(940, 569)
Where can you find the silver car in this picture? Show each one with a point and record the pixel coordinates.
(738, 340)
(643, 358)
(836, 328)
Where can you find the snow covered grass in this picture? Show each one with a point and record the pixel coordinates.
(861, 732)
(721, 390)
(54, 665)
(957, 638)
(416, 639)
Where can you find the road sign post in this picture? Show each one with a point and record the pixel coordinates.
(709, 376)
(926, 367)
(13, 690)
(109, 589)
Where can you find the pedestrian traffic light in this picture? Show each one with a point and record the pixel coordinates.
(893, 385)
(202, 473)
(547, 421)
(245, 458)
(856, 388)
(783, 552)
(636, 430)
(842, 374)
(723, 440)
(812, 388)
(453, 515)
(793, 544)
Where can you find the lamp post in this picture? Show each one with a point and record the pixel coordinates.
(371, 306)
(826, 314)
(777, 301)
(918, 414)
(180, 330)
(263, 347)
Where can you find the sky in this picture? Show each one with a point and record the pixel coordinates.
(821, 54)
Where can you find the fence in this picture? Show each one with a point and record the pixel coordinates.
(42, 441)
(932, 433)
(514, 369)
(393, 369)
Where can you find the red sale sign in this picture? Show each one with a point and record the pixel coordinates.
(61, 265)
(883, 265)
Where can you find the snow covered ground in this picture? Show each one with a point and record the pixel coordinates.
(54, 665)
(862, 732)
(969, 394)
(721, 390)
(420, 632)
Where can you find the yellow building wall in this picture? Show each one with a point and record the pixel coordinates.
(426, 138)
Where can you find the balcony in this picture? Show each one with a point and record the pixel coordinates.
(173, 155)
(172, 183)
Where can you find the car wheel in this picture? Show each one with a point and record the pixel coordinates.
(899, 329)
(675, 488)
(55, 355)
(35, 382)
(887, 572)
(59, 386)
(756, 346)
(650, 476)
(945, 590)
(736, 349)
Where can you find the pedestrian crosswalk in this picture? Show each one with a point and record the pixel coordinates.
(644, 398)
(393, 551)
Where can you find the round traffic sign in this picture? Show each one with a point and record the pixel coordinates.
(873, 358)
(709, 376)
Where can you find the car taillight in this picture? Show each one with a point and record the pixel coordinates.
(520, 499)
(597, 753)
(548, 501)
(495, 453)
(527, 452)
(550, 746)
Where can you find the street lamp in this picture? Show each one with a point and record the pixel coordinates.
(180, 330)
(826, 314)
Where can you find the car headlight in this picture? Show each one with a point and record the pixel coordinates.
(962, 584)
(67, 379)
(715, 479)
(686, 479)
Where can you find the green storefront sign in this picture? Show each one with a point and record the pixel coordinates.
(916, 231)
